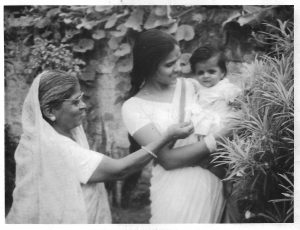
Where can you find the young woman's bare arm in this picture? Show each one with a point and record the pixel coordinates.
(171, 158)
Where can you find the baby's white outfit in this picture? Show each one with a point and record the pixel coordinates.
(211, 111)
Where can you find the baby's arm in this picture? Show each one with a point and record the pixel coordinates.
(232, 95)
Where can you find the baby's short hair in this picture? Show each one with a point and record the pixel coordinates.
(204, 53)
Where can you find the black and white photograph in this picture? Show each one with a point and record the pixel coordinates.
(149, 114)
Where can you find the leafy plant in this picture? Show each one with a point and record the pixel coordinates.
(46, 55)
(260, 157)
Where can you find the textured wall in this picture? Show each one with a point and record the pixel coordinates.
(16, 88)
(105, 128)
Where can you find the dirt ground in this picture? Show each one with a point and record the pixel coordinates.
(131, 215)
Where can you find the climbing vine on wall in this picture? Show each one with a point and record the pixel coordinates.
(65, 36)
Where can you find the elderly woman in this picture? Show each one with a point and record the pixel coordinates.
(58, 177)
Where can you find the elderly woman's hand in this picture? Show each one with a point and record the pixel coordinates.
(180, 131)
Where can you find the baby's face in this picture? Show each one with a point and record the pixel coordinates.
(208, 73)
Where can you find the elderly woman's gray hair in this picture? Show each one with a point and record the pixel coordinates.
(55, 86)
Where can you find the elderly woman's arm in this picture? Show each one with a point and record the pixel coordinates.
(114, 169)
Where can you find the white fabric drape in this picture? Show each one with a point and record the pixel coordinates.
(47, 186)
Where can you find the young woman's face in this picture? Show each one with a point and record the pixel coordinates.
(71, 112)
(208, 73)
(169, 69)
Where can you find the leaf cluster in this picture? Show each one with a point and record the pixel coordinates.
(46, 55)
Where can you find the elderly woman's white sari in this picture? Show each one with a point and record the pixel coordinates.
(185, 195)
(51, 172)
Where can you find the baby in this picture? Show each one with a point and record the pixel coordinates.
(211, 109)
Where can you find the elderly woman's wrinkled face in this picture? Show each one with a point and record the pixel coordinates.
(71, 112)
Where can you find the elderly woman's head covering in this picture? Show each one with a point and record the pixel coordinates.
(55, 86)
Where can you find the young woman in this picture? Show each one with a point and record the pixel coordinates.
(179, 193)
(56, 174)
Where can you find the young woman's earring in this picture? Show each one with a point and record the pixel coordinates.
(53, 118)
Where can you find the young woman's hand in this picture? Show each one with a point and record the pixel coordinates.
(180, 131)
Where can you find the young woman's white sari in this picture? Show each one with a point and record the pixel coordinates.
(185, 195)
(51, 174)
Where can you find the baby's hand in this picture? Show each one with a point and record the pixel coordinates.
(235, 104)
(180, 131)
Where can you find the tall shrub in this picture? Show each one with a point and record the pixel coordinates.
(261, 154)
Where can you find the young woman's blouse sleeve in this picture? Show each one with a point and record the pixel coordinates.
(85, 161)
(133, 116)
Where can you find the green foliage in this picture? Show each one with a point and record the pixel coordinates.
(46, 55)
(261, 155)
(280, 39)
(71, 33)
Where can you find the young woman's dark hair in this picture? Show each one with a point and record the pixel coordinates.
(203, 53)
(150, 48)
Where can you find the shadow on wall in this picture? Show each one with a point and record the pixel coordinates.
(10, 168)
